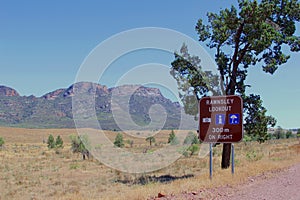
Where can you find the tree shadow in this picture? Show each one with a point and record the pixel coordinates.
(145, 179)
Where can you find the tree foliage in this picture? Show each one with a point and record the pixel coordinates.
(256, 120)
(252, 34)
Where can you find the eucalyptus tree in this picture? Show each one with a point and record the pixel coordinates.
(251, 34)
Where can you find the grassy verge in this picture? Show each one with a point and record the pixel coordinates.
(29, 170)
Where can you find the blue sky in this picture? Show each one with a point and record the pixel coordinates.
(43, 44)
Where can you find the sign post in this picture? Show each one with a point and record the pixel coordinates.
(221, 121)
(210, 161)
(232, 159)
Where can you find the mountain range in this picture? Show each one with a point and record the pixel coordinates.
(128, 106)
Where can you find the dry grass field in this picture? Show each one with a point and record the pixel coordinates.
(29, 170)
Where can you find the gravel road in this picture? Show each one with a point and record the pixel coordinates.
(284, 185)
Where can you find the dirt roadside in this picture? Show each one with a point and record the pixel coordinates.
(283, 184)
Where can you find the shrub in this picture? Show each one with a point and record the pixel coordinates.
(279, 133)
(289, 134)
(119, 142)
(74, 166)
(191, 138)
(130, 142)
(247, 138)
(253, 155)
(193, 149)
(1, 142)
(80, 144)
(186, 153)
(59, 142)
(173, 140)
(150, 139)
(51, 142)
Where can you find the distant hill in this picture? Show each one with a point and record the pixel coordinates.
(7, 91)
(54, 109)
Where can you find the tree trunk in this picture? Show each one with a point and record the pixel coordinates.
(226, 155)
(230, 90)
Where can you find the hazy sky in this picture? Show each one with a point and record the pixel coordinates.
(43, 44)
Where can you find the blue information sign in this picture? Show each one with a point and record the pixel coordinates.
(220, 119)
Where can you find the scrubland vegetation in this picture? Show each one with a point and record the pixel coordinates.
(31, 170)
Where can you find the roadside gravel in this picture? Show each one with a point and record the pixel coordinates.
(284, 184)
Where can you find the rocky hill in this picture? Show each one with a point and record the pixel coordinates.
(7, 91)
(54, 109)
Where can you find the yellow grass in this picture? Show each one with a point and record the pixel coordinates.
(29, 170)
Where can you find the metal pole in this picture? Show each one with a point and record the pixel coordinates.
(210, 161)
(232, 158)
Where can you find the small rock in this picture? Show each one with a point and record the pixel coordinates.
(194, 193)
(160, 195)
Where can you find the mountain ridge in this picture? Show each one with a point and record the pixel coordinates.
(54, 109)
(8, 91)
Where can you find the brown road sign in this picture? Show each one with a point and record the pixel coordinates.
(221, 119)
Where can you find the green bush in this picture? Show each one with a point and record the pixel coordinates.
(74, 166)
(186, 153)
(51, 142)
(247, 138)
(279, 133)
(253, 156)
(119, 142)
(59, 142)
(150, 139)
(80, 144)
(173, 140)
(191, 138)
(271, 136)
(193, 149)
(130, 142)
(1, 142)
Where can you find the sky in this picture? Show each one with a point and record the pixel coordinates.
(43, 44)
